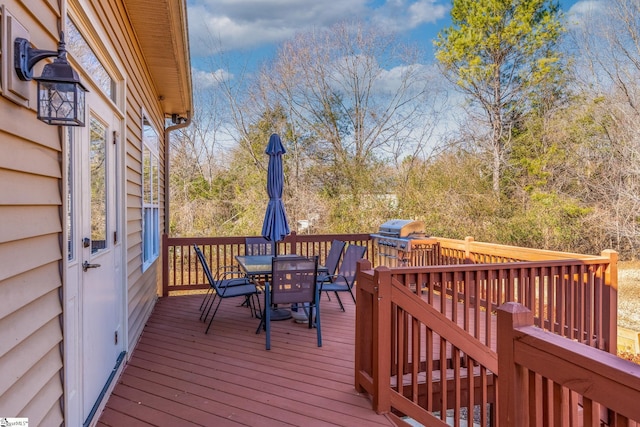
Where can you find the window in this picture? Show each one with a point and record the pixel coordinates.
(150, 194)
(82, 52)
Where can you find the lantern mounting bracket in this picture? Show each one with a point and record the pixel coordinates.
(25, 57)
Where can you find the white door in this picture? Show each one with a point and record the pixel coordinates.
(94, 271)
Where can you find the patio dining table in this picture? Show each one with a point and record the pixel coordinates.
(260, 265)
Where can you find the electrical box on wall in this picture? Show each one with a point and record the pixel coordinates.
(12, 87)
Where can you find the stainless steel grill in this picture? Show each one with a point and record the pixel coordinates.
(403, 243)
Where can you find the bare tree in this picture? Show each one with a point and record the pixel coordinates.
(347, 101)
(609, 65)
(355, 95)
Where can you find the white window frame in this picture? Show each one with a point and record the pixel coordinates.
(150, 193)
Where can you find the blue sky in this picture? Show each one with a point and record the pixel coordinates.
(254, 28)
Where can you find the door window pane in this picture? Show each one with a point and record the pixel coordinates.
(70, 193)
(98, 170)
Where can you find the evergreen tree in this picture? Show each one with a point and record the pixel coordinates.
(499, 53)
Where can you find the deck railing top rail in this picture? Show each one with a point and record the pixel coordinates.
(516, 253)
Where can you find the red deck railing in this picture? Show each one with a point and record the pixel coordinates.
(181, 271)
(412, 359)
(549, 380)
(439, 325)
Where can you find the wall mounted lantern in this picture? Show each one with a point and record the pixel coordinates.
(60, 93)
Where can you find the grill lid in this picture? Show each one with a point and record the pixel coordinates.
(401, 228)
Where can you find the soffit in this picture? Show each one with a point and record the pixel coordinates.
(162, 32)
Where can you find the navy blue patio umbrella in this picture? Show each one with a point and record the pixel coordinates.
(276, 225)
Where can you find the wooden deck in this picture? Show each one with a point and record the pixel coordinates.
(177, 375)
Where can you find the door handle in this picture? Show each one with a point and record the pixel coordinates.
(86, 266)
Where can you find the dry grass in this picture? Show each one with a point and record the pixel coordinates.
(629, 301)
(635, 358)
(629, 295)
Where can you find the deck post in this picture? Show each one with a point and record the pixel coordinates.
(293, 240)
(381, 342)
(610, 303)
(165, 265)
(468, 257)
(364, 327)
(512, 398)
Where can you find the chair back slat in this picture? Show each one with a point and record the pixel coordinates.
(258, 246)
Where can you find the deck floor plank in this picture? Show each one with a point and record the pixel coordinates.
(233, 405)
(111, 417)
(177, 375)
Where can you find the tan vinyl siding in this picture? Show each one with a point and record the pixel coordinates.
(39, 219)
(46, 379)
(140, 295)
(30, 338)
(18, 291)
(30, 332)
(34, 158)
(30, 282)
(142, 298)
(24, 189)
(42, 340)
(28, 254)
(31, 363)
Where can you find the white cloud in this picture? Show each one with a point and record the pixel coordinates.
(402, 15)
(246, 24)
(246, 31)
(390, 81)
(584, 11)
(427, 11)
(207, 79)
(216, 25)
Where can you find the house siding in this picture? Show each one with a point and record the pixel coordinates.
(30, 254)
(31, 209)
(141, 290)
(30, 282)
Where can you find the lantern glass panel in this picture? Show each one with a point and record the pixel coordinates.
(61, 103)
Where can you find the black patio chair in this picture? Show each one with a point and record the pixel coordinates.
(344, 280)
(293, 280)
(230, 274)
(258, 246)
(332, 261)
(227, 288)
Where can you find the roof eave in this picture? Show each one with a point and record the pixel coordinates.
(162, 31)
